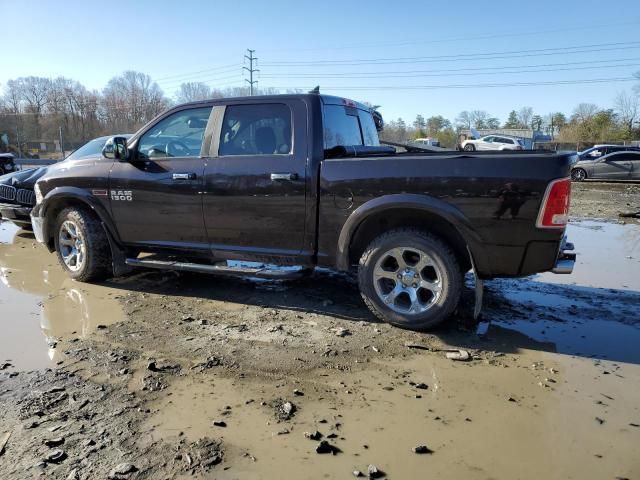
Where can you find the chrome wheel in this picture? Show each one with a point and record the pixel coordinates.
(72, 245)
(578, 175)
(407, 280)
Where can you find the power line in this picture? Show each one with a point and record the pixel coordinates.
(251, 70)
(221, 67)
(475, 85)
(423, 75)
(458, 39)
(452, 70)
(467, 56)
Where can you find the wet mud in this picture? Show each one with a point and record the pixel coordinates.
(164, 375)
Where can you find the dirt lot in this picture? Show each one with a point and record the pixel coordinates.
(163, 375)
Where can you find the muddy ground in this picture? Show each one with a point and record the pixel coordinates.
(162, 375)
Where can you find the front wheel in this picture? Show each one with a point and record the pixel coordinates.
(578, 174)
(470, 148)
(410, 279)
(82, 245)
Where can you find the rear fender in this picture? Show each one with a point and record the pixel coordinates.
(420, 203)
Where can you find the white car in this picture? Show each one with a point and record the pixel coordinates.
(493, 142)
(428, 142)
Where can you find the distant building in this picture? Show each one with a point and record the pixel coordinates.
(527, 135)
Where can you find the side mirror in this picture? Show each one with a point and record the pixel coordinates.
(116, 149)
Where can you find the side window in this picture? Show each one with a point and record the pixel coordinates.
(507, 140)
(369, 132)
(488, 139)
(178, 135)
(341, 126)
(261, 129)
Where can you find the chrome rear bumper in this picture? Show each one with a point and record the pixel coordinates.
(566, 258)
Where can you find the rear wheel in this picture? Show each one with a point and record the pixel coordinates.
(470, 147)
(578, 174)
(82, 245)
(410, 279)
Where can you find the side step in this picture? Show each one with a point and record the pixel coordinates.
(262, 272)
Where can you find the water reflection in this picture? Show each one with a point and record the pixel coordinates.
(39, 303)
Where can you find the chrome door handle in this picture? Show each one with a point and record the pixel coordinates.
(184, 176)
(283, 176)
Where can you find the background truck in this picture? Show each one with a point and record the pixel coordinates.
(302, 180)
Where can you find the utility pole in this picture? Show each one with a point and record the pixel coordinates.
(251, 70)
(18, 138)
(61, 141)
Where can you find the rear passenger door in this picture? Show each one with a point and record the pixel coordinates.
(255, 180)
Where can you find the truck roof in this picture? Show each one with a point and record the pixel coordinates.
(326, 99)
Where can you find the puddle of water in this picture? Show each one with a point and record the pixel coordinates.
(596, 309)
(460, 417)
(608, 256)
(39, 303)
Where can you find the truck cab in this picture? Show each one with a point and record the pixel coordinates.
(302, 180)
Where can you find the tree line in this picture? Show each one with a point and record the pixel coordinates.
(34, 108)
(586, 124)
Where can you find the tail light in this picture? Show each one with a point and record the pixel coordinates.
(554, 211)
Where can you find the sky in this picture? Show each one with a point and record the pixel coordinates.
(409, 57)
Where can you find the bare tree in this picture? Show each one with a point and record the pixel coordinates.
(627, 106)
(131, 100)
(464, 119)
(525, 114)
(35, 93)
(192, 91)
(584, 112)
(479, 118)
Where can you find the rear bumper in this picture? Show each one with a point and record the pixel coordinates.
(566, 258)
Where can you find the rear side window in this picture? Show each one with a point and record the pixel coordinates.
(347, 126)
(262, 129)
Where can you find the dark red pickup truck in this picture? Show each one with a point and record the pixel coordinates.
(302, 180)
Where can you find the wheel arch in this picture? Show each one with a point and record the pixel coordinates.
(408, 210)
(64, 197)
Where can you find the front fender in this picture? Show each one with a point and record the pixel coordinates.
(73, 194)
(423, 203)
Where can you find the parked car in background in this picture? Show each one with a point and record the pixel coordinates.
(618, 165)
(493, 142)
(16, 188)
(428, 142)
(598, 151)
(6, 163)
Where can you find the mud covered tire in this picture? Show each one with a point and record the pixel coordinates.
(578, 174)
(444, 260)
(469, 147)
(96, 264)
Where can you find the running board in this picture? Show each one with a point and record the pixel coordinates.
(265, 273)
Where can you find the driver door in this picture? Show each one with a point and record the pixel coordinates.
(156, 196)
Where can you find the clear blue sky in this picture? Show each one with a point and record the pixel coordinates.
(387, 44)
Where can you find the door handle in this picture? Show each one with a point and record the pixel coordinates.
(283, 176)
(184, 176)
